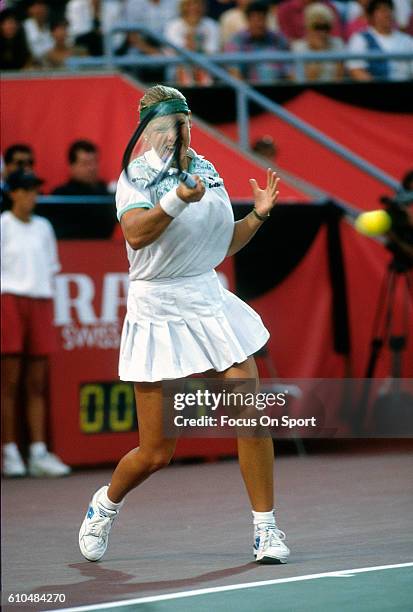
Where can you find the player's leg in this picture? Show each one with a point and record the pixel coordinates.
(255, 455)
(256, 460)
(13, 464)
(154, 452)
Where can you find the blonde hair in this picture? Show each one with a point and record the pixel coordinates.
(159, 93)
(316, 11)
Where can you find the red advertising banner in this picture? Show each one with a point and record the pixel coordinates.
(93, 416)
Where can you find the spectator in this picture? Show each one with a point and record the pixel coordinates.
(18, 156)
(14, 50)
(319, 19)
(90, 19)
(134, 45)
(291, 19)
(62, 50)
(195, 32)
(266, 148)
(380, 36)
(356, 17)
(84, 171)
(37, 29)
(154, 15)
(234, 21)
(84, 21)
(257, 37)
(29, 263)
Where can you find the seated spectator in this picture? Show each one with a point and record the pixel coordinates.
(136, 44)
(18, 156)
(62, 50)
(319, 19)
(356, 17)
(90, 19)
(380, 36)
(29, 263)
(154, 15)
(14, 50)
(37, 29)
(84, 171)
(234, 21)
(257, 37)
(83, 17)
(195, 32)
(291, 19)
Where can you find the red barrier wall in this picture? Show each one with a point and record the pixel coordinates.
(102, 109)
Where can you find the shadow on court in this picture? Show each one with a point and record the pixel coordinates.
(118, 583)
(189, 527)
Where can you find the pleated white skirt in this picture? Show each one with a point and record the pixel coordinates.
(187, 325)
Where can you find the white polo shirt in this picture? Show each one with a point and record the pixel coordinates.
(197, 240)
(396, 41)
(29, 259)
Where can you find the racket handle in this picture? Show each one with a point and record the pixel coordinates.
(187, 179)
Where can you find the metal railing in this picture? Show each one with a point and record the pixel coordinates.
(292, 58)
(244, 92)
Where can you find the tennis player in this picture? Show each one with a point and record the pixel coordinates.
(181, 321)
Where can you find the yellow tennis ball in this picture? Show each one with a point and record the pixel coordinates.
(373, 223)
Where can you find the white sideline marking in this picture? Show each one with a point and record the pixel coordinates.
(234, 587)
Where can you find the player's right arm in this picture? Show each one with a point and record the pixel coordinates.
(142, 222)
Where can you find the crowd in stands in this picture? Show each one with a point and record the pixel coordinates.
(43, 34)
(82, 169)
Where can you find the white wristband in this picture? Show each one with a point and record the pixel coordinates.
(172, 204)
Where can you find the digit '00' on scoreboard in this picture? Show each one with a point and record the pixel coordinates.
(107, 407)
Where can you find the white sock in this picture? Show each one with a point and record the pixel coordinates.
(37, 449)
(108, 503)
(11, 449)
(267, 518)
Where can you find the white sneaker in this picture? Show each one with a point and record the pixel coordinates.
(48, 465)
(13, 465)
(269, 547)
(94, 531)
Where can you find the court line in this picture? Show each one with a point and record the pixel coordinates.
(234, 587)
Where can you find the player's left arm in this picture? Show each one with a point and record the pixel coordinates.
(265, 200)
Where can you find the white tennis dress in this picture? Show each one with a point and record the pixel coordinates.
(180, 320)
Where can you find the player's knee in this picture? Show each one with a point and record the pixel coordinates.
(158, 459)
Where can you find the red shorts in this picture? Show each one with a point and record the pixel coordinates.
(27, 325)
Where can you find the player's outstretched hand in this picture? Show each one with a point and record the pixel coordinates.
(266, 199)
(191, 195)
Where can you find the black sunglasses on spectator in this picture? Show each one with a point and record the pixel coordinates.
(322, 27)
(23, 163)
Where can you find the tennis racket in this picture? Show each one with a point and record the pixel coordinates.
(160, 136)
